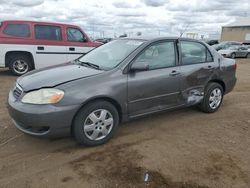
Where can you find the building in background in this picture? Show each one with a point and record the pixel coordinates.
(237, 31)
(192, 35)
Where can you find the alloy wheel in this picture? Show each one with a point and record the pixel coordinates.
(98, 124)
(20, 66)
(215, 98)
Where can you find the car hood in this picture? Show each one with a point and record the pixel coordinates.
(56, 75)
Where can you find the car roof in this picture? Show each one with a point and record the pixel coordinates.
(155, 38)
(36, 22)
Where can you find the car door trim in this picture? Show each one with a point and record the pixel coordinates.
(155, 111)
(60, 53)
(154, 97)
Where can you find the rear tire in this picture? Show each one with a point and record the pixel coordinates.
(95, 123)
(20, 64)
(213, 98)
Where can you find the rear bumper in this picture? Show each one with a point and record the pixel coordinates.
(41, 120)
(230, 85)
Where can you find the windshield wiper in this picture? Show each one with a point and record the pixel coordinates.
(90, 65)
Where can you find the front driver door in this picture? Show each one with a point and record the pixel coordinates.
(77, 43)
(159, 87)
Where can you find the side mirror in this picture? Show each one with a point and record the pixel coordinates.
(84, 40)
(139, 66)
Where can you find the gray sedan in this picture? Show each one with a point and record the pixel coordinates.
(236, 51)
(117, 82)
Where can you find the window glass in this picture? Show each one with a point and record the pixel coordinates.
(75, 35)
(111, 54)
(159, 55)
(194, 52)
(243, 48)
(47, 32)
(209, 57)
(17, 30)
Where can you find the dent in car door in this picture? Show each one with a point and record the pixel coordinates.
(157, 88)
(197, 68)
(78, 43)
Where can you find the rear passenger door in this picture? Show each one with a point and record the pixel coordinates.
(77, 43)
(50, 48)
(197, 68)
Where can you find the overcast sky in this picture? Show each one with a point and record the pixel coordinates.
(109, 17)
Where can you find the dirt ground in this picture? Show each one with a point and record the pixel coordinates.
(179, 149)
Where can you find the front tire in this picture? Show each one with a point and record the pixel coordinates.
(20, 64)
(95, 123)
(233, 55)
(213, 98)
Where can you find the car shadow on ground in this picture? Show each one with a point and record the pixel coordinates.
(6, 72)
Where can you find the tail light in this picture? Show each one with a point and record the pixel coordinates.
(235, 66)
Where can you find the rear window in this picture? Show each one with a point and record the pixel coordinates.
(17, 30)
(194, 52)
(46, 32)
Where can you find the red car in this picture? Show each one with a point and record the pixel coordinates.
(27, 45)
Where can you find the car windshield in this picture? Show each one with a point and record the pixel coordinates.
(111, 54)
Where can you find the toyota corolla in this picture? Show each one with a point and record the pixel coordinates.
(121, 80)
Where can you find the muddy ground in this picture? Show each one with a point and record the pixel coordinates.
(179, 149)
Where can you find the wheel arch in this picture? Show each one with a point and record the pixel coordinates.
(219, 82)
(9, 54)
(104, 98)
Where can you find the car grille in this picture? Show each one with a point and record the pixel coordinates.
(17, 92)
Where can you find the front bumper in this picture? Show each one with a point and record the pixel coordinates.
(41, 120)
(226, 55)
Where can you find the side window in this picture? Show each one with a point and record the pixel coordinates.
(47, 32)
(160, 55)
(243, 48)
(209, 56)
(17, 30)
(194, 52)
(75, 35)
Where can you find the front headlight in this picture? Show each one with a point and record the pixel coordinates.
(43, 96)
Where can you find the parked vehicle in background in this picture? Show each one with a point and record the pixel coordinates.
(235, 51)
(117, 82)
(212, 42)
(27, 45)
(104, 40)
(226, 44)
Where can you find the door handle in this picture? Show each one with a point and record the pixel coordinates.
(209, 67)
(71, 49)
(174, 73)
(40, 48)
